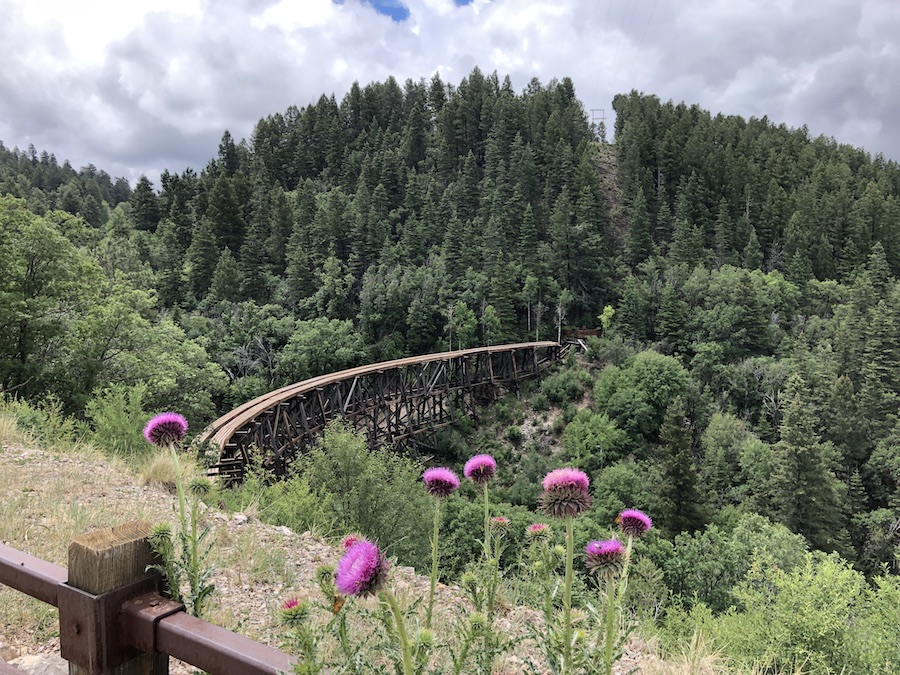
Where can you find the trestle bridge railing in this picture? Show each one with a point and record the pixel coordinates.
(400, 403)
(113, 620)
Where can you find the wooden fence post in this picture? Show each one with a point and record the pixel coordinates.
(104, 560)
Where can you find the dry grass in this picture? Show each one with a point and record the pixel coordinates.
(159, 469)
(10, 432)
(697, 657)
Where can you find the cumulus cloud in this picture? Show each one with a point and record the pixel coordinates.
(141, 86)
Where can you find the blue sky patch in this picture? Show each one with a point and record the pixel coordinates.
(392, 8)
(395, 8)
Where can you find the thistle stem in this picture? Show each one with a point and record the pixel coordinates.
(402, 638)
(567, 597)
(179, 487)
(434, 561)
(610, 624)
(487, 525)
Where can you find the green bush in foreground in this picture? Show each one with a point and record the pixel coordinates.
(819, 618)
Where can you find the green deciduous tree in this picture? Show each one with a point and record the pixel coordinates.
(46, 281)
(320, 346)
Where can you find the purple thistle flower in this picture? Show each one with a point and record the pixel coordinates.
(499, 524)
(165, 428)
(634, 523)
(480, 469)
(538, 531)
(565, 493)
(293, 612)
(605, 558)
(440, 482)
(559, 478)
(362, 570)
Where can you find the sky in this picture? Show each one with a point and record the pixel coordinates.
(137, 86)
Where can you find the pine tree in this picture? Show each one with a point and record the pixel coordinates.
(501, 298)
(562, 242)
(145, 211)
(226, 280)
(640, 239)
(687, 244)
(753, 256)
(253, 258)
(879, 395)
(808, 497)
(672, 320)
(632, 315)
(528, 242)
(680, 500)
(170, 257)
(280, 221)
(224, 214)
(723, 233)
(201, 259)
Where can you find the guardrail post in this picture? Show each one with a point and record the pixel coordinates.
(100, 562)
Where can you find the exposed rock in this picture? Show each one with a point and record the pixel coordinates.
(42, 664)
(7, 653)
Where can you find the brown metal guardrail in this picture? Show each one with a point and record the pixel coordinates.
(100, 632)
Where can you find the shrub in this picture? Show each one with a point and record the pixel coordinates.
(877, 628)
(43, 420)
(540, 402)
(514, 435)
(378, 493)
(625, 484)
(159, 469)
(293, 503)
(562, 387)
(117, 418)
(706, 566)
(452, 445)
(592, 441)
(612, 350)
(800, 618)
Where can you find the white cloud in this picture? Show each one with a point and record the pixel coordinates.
(139, 86)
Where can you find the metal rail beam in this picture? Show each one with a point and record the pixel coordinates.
(148, 622)
(31, 576)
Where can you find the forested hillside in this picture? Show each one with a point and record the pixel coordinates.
(744, 275)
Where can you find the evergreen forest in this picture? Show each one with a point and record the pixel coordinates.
(745, 384)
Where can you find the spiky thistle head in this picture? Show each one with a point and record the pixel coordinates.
(605, 558)
(480, 469)
(499, 525)
(634, 523)
(440, 482)
(538, 532)
(165, 429)
(565, 493)
(293, 612)
(362, 570)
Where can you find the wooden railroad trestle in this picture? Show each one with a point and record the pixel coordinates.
(399, 403)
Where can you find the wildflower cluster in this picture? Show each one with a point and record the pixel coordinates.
(363, 572)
